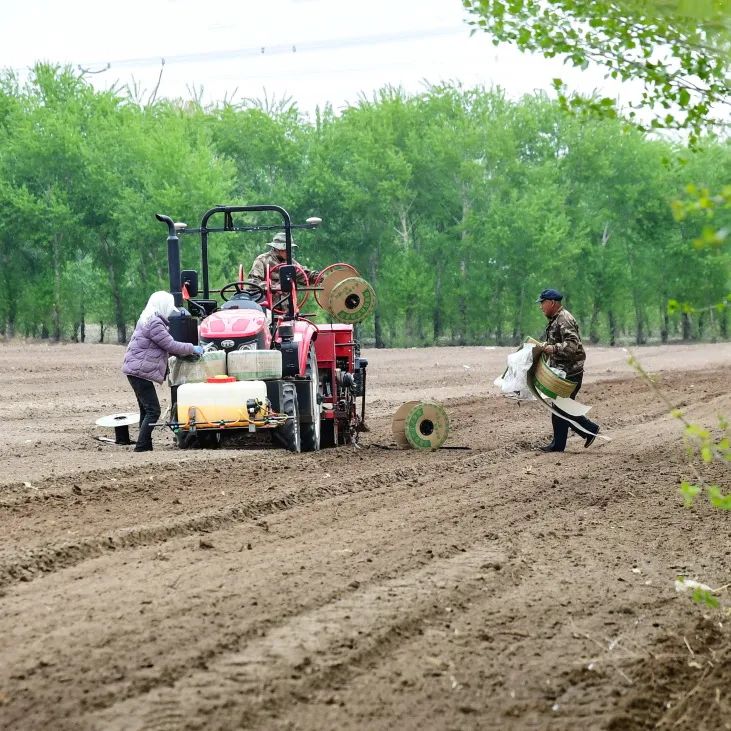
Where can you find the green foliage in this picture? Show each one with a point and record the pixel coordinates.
(704, 445)
(699, 593)
(677, 49)
(457, 204)
(705, 597)
(680, 51)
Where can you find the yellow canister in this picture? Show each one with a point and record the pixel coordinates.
(218, 404)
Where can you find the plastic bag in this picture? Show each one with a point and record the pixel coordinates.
(514, 382)
(212, 363)
(560, 372)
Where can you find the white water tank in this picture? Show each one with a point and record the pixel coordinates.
(254, 365)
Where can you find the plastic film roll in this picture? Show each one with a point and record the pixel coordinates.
(351, 300)
(329, 277)
(421, 425)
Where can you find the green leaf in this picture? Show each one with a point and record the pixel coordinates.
(718, 499)
(703, 596)
(689, 493)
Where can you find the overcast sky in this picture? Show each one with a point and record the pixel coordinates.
(312, 51)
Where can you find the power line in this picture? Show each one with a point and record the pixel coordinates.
(306, 47)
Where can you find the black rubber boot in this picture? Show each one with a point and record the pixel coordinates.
(550, 448)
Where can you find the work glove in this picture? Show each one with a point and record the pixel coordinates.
(198, 350)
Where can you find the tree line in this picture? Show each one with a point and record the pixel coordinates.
(458, 205)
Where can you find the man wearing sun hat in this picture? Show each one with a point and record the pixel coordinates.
(277, 254)
(563, 345)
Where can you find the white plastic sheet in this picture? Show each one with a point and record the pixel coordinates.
(514, 382)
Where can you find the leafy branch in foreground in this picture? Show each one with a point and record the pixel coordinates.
(700, 593)
(677, 49)
(703, 444)
(702, 201)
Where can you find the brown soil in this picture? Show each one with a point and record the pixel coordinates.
(493, 587)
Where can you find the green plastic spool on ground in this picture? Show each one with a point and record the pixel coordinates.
(420, 424)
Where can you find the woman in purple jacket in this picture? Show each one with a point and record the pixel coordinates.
(146, 360)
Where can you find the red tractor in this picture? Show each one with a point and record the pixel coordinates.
(268, 366)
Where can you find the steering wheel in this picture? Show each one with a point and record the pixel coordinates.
(244, 287)
(301, 298)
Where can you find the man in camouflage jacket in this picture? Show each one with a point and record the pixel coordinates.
(277, 254)
(563, 345)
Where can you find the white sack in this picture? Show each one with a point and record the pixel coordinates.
(514, 382)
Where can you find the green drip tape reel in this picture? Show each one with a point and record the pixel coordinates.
(329, 277)
(351, 300)
(420, 425)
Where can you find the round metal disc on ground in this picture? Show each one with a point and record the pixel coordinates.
(351, 300)
(329, 277)
(398, 423)
(118, 420)
(427, 426)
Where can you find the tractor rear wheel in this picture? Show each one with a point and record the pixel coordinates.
(311, 428)
(288, 435)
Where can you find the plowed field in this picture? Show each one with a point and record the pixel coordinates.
(488, 586)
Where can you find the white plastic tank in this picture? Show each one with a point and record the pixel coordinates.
(252, 365)
(212, 403)
(181, 370)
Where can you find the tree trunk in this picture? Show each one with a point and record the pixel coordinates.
(612, 328)
(409, 323)
(116, 293)
(11, 320)
(594, 324)
(723, 323)
(518, 320)
(639, 328)
(378, 330)
(377, 324)
(686, 326)
(665, 327)
(56, 312)
(82, 322)
(437, 310)
(101, 332)
(462, 302)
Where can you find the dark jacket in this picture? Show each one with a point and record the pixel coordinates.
(562, 332)
(148, 350)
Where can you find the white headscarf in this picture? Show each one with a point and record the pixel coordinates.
(160, 303)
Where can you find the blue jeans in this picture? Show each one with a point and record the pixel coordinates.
(149, 410)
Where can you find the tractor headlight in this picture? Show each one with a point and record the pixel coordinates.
(248, 346)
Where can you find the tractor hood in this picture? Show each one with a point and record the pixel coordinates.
(232, 324)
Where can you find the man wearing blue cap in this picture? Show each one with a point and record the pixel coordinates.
(563, 345)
